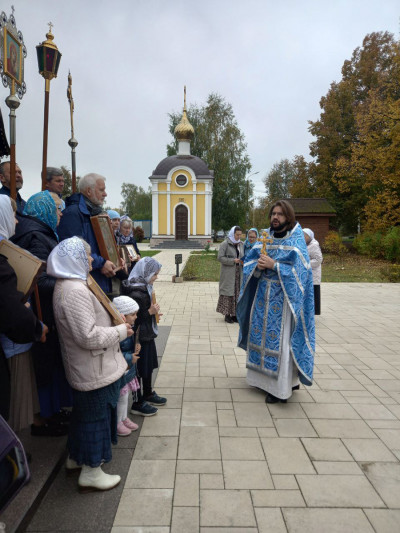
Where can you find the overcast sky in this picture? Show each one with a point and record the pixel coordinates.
(130, 59)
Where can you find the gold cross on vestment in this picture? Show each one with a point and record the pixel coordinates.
(265, 240)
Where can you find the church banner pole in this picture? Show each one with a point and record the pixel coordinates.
(12, 55)
(72, 142)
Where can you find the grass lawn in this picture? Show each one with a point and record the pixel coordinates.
(202, 266)
(350, 267)
(149, 253)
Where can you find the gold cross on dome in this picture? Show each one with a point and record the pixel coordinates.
(12, 9)
(50, 25)
(265, 240)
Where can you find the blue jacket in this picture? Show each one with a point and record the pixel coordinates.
(20, 202)
(75, 222)
(127, 348)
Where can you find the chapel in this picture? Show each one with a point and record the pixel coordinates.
(181, 188)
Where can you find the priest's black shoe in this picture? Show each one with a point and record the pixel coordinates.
(270, 398)
(228, 319)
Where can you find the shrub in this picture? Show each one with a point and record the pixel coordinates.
(370, 244)
(333, 244)
(391, 273)
(391, 244)
(138, 233)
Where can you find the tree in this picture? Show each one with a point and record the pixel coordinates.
(220, 143)
(290, 179)
(136, 202)
(68, 182)
(373, 67)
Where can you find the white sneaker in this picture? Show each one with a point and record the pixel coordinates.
(92, 479)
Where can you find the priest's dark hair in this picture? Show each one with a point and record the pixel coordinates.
(288, 212)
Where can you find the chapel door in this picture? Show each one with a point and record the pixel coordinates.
(181, 223)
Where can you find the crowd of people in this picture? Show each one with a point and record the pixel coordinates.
(71, 371)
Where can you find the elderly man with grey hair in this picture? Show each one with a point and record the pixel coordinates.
(75, 222)
(55, 180)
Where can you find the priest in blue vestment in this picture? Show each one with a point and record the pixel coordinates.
(275, 309)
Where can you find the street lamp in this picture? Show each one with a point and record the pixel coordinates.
(49, 59)
(248, 206)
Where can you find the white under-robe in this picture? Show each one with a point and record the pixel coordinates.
(288, 375)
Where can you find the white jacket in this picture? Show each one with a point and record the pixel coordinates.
(89, 341)
(314, 251)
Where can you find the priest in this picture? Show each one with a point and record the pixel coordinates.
(275, 309)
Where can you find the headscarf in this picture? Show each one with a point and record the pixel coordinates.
(309, 232)
(7, 218)
(125, 239)
(42, 206)
(68, 260)
(113, 214)
(247, 244)
(231, 235)
(142, 273)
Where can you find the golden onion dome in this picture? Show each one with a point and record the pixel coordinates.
(184, 130)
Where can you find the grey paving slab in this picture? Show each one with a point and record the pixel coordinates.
(220, 508)
(286, 456)
(338, 491)
(385, 477)
(247, 475)
(134, 508)
(326, 521)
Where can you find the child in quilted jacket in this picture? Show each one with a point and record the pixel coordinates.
(129, 382)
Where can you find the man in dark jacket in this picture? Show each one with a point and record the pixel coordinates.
(76, 223)
(5, 176)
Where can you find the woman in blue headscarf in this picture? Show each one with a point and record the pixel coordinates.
(251, 239)
(37, 233)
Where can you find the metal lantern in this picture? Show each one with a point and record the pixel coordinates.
(49, 57)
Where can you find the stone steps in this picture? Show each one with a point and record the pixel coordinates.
(178, 245)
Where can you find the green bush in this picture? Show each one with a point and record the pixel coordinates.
(333, 244)
(370, 244)
(391, 273)
(391, 244)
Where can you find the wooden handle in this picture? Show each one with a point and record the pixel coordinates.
(153, 301)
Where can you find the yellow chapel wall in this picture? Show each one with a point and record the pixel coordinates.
(162, 213)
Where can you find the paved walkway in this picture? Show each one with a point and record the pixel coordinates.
(218, 459)
(167, 259)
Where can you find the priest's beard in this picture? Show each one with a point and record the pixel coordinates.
(278, 229)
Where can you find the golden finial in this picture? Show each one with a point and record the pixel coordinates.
(184, 130)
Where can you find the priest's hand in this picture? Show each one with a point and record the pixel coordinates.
(265, 262)
(108, 269)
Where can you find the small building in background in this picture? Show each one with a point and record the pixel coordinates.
(181, 189)
(313, 213)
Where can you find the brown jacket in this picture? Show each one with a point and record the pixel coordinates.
(89, 342)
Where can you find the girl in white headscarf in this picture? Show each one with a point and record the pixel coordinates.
(229, 254)
(93, 363)
(139, 286)
(314, 251)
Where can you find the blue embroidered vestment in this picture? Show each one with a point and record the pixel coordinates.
(264, 302)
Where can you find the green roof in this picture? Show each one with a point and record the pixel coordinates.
(311, 205)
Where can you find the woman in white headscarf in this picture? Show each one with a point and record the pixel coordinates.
(229, 254)
(18, 393)
(139, 286)
(314, 251)
(93, 363)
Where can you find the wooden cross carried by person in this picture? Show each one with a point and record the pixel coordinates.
(265, 240)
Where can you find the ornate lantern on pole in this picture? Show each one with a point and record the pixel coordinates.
(49, 59)
(12, 55)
